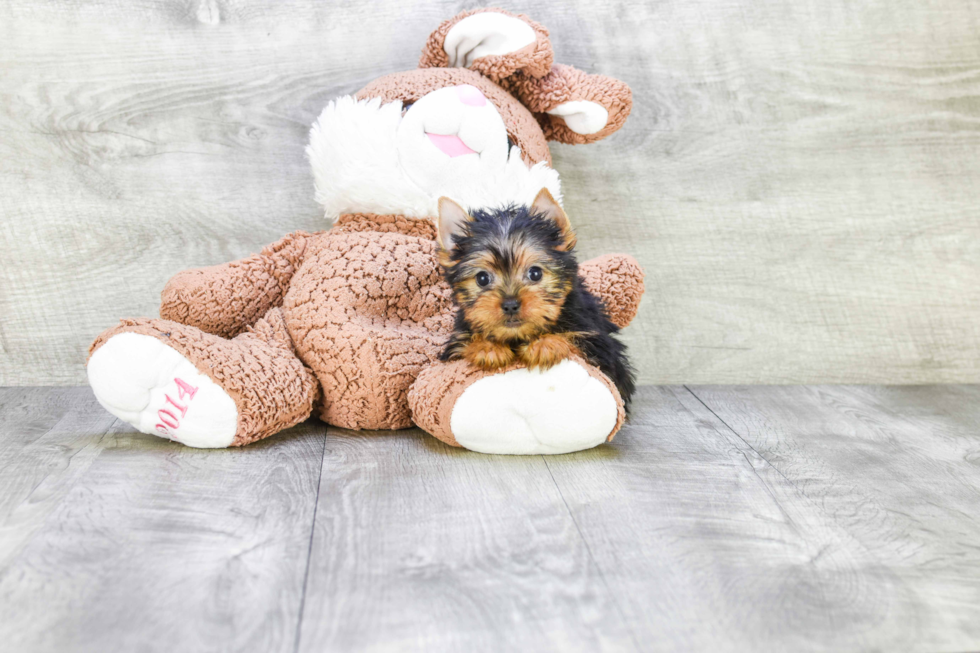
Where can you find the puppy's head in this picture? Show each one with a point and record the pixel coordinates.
(510, 269)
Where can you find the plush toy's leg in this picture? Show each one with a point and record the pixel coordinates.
(570, 407)
(176, 381)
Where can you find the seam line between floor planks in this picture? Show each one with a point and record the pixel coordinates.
(309, 548)
(588, 547)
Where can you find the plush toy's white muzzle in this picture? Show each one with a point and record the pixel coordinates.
(449, 138)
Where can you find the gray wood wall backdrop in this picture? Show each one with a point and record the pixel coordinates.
(799, 177)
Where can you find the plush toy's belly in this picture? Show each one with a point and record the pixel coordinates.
(367, 311)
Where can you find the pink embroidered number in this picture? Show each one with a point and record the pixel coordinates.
(168, 419)
(184, 389)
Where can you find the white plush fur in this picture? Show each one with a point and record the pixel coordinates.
(522, 411)
(133, 374)
(485, 34)
(369, 158)
(581, 116)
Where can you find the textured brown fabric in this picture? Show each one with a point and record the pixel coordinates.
(617, 279)
(439, 386)
(385, 224)
(620, 406)
(535, 60)
(367, 312)
(522, 126)
(225, 299)
(564, 84)
(259, 370)
(433, 395)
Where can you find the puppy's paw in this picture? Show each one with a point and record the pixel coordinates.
(547, 351)
(488, 355)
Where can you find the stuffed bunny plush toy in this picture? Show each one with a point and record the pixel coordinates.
(348, 323)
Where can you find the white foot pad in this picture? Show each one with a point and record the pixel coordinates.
(144, 382)
(533, 412)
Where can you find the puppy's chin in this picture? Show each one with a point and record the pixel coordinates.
(515, 331)
(511, 332)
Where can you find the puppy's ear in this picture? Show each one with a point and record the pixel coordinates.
(546, 205)
(453, 219)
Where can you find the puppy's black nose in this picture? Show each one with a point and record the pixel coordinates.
(511, 306)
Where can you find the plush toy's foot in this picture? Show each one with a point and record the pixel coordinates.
(178, 382)
(569, 407)
(147, 384)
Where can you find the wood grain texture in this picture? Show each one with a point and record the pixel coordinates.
(721, 518)
(112, 540)
(898, 469)
(422, 547)
(799, 179)
(710, 548)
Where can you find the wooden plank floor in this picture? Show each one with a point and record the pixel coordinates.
(722, 518)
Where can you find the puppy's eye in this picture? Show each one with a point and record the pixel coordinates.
(482, 279)
(535, 273)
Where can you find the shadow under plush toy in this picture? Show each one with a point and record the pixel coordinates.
(350, 322)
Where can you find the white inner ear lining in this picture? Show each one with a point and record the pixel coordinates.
(485, 34)
(581, 116)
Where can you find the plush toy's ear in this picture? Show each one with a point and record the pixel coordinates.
(573, 106)
(493, 42)
(452, 222)
(544, 204)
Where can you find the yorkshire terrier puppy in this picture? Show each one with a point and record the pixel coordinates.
(515, 279)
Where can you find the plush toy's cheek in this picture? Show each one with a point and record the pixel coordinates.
(486, 34)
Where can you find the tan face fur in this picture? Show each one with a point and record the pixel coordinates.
(512, 281)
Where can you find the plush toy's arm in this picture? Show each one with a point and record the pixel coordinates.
(493, 42)
(226, 299)
(616, 279)
(569, 407)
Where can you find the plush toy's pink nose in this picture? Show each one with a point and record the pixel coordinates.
(470, 95)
